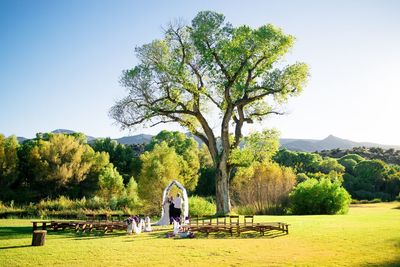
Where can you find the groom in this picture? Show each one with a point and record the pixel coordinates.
(178, 205)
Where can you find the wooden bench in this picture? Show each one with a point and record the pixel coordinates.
(44, 223)
(206, 225)
(268, 226)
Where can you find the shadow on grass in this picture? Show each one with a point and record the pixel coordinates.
(243, 235)
(95, 235)
(219, 235)
(15, 232)
(18, 232)
(389, 263)
(151, 235)
(10, 247)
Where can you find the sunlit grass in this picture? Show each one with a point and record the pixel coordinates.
(368, 235)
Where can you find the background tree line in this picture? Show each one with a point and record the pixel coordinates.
(363, 178)
(266, 179)
(390, 156)
(64, 165)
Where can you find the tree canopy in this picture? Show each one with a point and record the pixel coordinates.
(237, 70)
(121, 156)
(159, 167)
(55, 164)
(8, 163)
(187, 150)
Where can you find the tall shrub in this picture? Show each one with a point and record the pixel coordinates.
(199, 206)
(111, 183)
(264, 187)
(319, 197)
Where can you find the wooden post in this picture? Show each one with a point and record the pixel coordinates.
(34, 226)
(38, 238)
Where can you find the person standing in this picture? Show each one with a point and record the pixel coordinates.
(171, 209)
(165, 219)
(178, 205)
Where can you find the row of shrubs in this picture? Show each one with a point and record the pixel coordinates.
(309, 197)
(66, 208)
(366, 201)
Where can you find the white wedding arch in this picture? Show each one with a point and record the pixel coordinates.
(185, 199)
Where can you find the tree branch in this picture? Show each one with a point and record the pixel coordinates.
(162, 121)
(218, 60)
(239, 125)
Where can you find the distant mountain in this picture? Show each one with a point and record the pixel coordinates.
(66, 131)
(299, 144)
(307, 145)
(198, 140)
(330, 142)
(21, 139)
(135, 139)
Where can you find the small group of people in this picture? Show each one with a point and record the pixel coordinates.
(172, 210)
(175, 208)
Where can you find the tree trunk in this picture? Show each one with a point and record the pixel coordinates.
(223, 171)
(38, 238)
(222, 189)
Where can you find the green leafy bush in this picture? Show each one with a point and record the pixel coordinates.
(199, 206)
(61, 203)
(357, 158)
(319, 197)
(96, 203)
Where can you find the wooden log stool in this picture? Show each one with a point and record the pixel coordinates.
(38, 238)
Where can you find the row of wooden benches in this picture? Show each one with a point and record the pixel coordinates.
(105, 222)
(83, 226)
(228, 224)
(232, 224)
(109, 217)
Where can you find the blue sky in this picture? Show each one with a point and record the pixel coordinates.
(60, 62)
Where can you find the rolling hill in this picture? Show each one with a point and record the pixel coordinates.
(330, 142)
(307, 145)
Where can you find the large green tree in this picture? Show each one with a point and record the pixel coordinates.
(121, 156)
(111, 183)
(188, 150)
(160, 166)
(238, 70)
(8, 163)
(56, 164)
(256, 147)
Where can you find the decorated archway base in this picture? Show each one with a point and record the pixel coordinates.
(184, 199)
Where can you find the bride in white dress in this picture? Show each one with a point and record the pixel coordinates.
(165, 215)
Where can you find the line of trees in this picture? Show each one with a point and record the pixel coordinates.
(265, 179)
(54, 165)
(389, 156)
(362, 178)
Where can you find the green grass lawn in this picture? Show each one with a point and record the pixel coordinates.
(368, 236)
